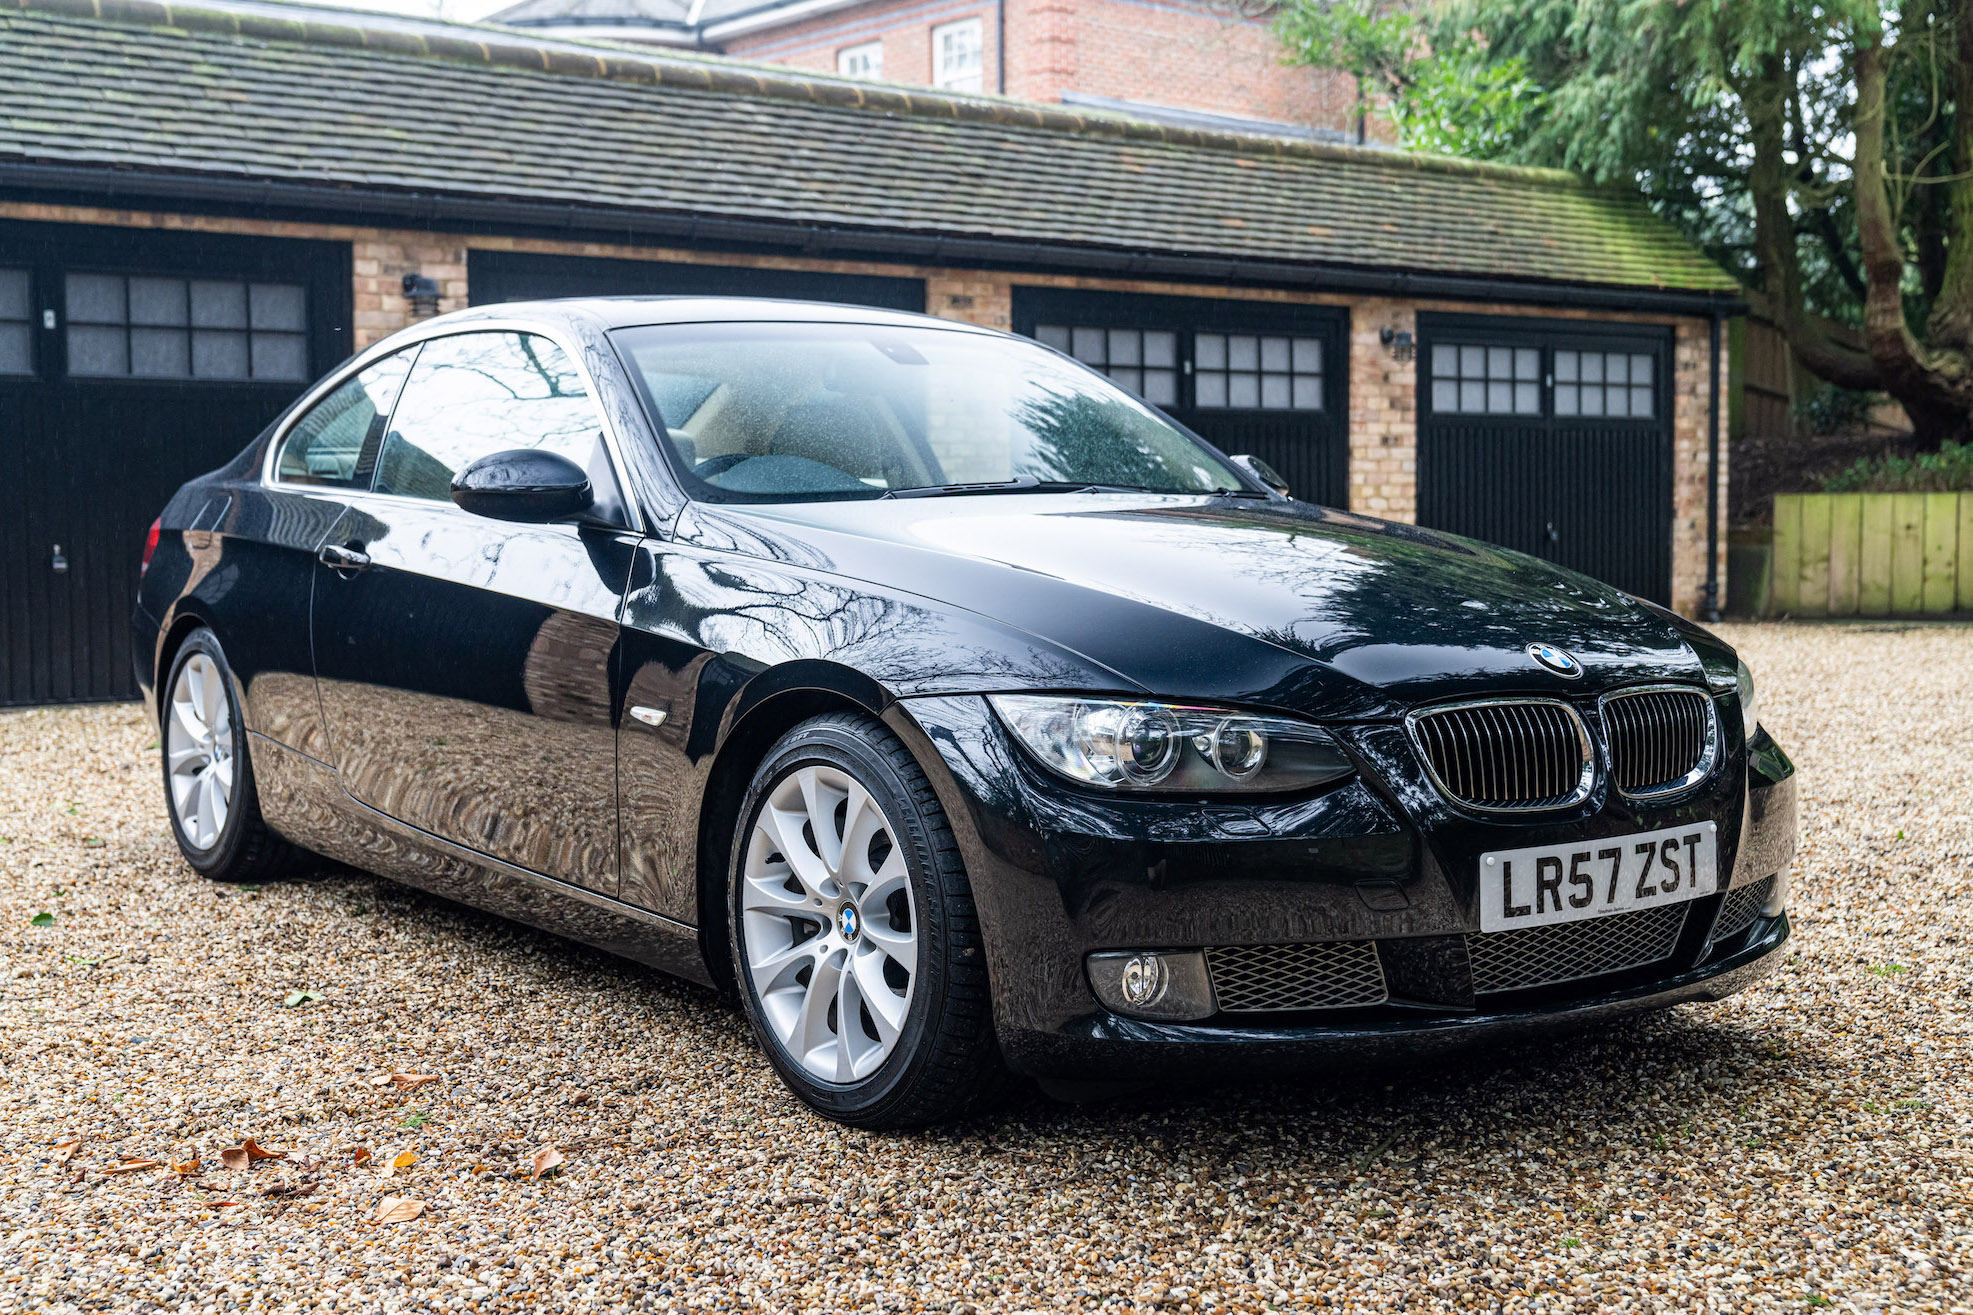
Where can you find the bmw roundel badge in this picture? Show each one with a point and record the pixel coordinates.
(1560, 661)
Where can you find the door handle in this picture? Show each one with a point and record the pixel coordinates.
(340, 559)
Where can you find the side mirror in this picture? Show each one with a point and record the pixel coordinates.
(1263, 472)
(526, 484)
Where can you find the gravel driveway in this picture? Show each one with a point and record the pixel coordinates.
(1808, 1144)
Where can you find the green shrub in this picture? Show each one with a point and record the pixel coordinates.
(1949, 470)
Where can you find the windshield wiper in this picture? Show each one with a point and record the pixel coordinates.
(1028, 484)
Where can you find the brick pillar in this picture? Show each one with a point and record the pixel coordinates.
(379, 263)
(1691, 388)
(1383, 418)
(984, 299)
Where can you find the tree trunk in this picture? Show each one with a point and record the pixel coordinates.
(1930, 380)
(1775, 237)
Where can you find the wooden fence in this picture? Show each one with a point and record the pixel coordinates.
(1872, 554)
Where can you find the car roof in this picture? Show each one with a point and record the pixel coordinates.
(625, 312)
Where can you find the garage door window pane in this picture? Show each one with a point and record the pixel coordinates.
(1272, 372)
(219, 355)
(158, 301)
(1615, 384)
(96, 299)
(96, 352)
(327, 445)
(158, 353)
(479, 393)
(1471, 379)
(218, 305)
(16, 328)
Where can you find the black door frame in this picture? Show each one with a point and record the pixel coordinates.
(1548, 335)
(1189, 314)
(64, 637)
(51, 250)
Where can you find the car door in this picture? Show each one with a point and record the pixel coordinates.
(464, 664)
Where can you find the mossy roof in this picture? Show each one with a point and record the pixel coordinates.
(295, 93)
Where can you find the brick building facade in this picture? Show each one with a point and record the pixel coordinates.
(1140, 56)
(1120, 228)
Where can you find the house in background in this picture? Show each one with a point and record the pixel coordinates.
(1205, 63)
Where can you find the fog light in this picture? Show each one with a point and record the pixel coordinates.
(1777, 900)
(1163, 984)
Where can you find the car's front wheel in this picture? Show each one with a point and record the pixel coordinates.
(853, 931)
(208, 777)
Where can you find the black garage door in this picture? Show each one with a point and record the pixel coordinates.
(1253, 377)
(129, 362)
(1553, 438)
(495, 276)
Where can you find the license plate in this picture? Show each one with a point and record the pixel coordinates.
(1546, 884)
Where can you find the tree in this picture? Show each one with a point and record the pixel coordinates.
(1816, 148)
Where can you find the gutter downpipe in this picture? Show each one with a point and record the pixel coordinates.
(1000, 44)
(1711, 601)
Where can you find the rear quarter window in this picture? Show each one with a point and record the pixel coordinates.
(335, 442)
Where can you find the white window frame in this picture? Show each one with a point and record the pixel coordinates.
(868, 53)
(963, 38)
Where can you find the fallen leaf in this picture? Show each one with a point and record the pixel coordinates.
(188, 1168)
(65, 1151)
(295, 999)
(402, 1160)
(398, 1209)
(406, 1081)
(359, 1155)
(42, 920)
(235, 1157)
(255, 1151)
(132, 1166)
(545, 1159)
(290, 1186)
(222, 1205)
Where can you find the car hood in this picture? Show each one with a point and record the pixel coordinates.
(1273, 602)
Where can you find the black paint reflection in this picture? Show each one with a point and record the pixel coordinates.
(465, 677)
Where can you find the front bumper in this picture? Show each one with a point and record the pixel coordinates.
(1059, 874)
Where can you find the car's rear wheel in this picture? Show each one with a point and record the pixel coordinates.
(208, 777)
(853, 931)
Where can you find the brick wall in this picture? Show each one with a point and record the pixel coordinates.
(1382, 391)
(904, 27)
(1169, 52)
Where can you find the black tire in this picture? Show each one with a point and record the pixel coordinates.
(245, 849)
(946, 1062)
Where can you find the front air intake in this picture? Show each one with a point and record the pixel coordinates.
(1507, 754)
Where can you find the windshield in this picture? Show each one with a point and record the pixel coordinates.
(783, 412)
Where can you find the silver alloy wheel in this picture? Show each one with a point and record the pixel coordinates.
(831, 929)
(199, 751)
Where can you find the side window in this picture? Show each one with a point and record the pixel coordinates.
(327, 445)
(475, 394)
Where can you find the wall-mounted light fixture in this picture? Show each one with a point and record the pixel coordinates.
(1400, 341)
(421, 290)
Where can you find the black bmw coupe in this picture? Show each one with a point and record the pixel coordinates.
(958, 712)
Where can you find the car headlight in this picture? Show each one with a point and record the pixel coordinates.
(1750, 713)
(1131, 745)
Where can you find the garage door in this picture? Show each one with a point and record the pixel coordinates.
(495, 276)
(130, 362)
(1552, 438)
(1249, 376)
